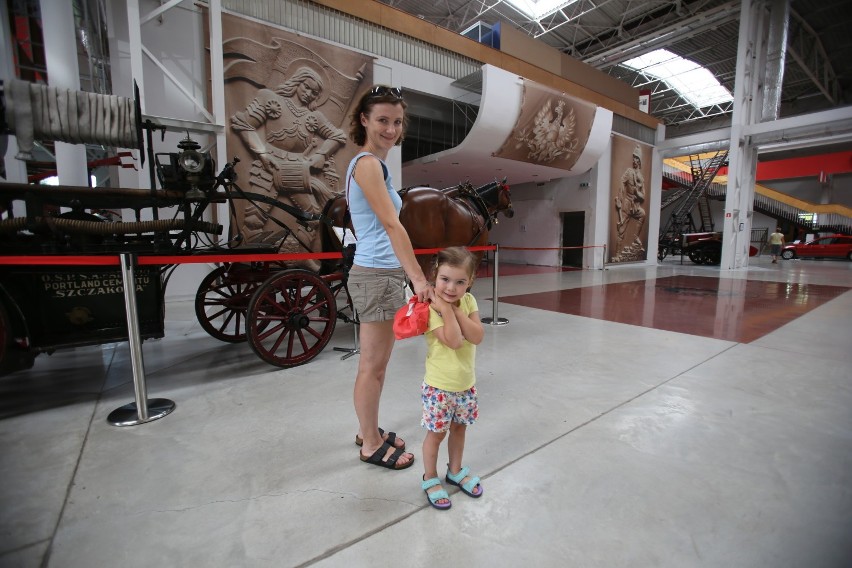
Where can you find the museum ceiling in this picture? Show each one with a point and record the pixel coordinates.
(605, 33)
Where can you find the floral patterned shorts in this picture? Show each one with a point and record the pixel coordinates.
(441, 407)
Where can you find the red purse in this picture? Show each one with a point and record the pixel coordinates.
(411, 320)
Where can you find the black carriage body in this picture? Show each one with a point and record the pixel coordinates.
(72, 306)
(47, 307)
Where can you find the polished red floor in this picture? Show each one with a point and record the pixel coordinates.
(734, 310)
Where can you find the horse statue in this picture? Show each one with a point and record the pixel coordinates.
(438, 218)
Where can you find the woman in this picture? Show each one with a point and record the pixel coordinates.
(383, 258)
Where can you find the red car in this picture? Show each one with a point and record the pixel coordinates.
(831, 246)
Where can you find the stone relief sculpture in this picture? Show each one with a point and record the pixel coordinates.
(294, 143)
(552, 134)
(552, 128)
(292, 129)
(628, 203)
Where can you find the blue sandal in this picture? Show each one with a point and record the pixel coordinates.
(436, 496)
(467, 487)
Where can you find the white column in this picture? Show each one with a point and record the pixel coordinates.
(60, 46)
(760, 62)
(742, 158)
(16, 170)
(655, 212)
(217, 89)
(600, 178)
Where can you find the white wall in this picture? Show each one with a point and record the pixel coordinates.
(538, 208)
(538, 222)
(535, 224)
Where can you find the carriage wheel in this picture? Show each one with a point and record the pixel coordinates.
(291, 318)
(14, 351)
(696, 255)
(713, 255)
(222, 301)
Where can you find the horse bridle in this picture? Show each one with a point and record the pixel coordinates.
(480, 205)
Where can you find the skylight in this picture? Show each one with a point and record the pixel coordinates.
(538, 9)
(692, 81)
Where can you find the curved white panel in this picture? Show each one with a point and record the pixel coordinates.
(472, 160)
(597, 143)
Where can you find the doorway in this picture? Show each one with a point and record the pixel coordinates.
(573, 228)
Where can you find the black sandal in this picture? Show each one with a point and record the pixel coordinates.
(391, 439)
(390, 462)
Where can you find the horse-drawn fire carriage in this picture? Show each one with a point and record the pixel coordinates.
(61, 296)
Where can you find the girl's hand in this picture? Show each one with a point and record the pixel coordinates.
(440, 304)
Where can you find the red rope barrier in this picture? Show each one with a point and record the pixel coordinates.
(196, 259)
(60, 260)
(108, 260)
(550, 248)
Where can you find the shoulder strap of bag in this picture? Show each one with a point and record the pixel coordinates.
(347, 217)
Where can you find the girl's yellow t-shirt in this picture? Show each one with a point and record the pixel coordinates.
(448, 369)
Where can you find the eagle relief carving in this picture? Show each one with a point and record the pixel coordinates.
(552, 135)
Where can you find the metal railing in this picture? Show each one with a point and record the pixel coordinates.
(698, 181)
(801, 218)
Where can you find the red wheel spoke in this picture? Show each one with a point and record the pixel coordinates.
(291, 318)
(222, 301)
(311, 330)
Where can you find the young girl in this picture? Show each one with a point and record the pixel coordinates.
(449, 397)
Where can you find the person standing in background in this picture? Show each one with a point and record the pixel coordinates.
(776, 241)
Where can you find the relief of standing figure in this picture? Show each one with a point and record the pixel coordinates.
(629, 200)
(294, 145)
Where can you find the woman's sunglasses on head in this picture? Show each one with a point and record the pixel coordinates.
(384, 91)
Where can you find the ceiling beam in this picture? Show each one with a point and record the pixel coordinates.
(568, 14)
(659, 38)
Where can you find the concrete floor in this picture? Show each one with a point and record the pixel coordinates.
(600, 444)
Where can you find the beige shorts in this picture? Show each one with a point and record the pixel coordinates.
(377, 293)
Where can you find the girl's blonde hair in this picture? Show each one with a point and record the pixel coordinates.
(458, 257)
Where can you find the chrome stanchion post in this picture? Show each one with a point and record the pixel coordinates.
(603, 259)
(357, 348)
(143, 410)
(494, 320)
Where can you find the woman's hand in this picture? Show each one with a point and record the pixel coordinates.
(424, 291)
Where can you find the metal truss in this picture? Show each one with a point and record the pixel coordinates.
(669, 105)
(805, 47)
(659, 38)
(689, 113)
(565, 15)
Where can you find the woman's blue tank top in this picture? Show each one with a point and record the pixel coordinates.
(374, 248)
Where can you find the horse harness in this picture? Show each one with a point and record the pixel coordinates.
(477, 207)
